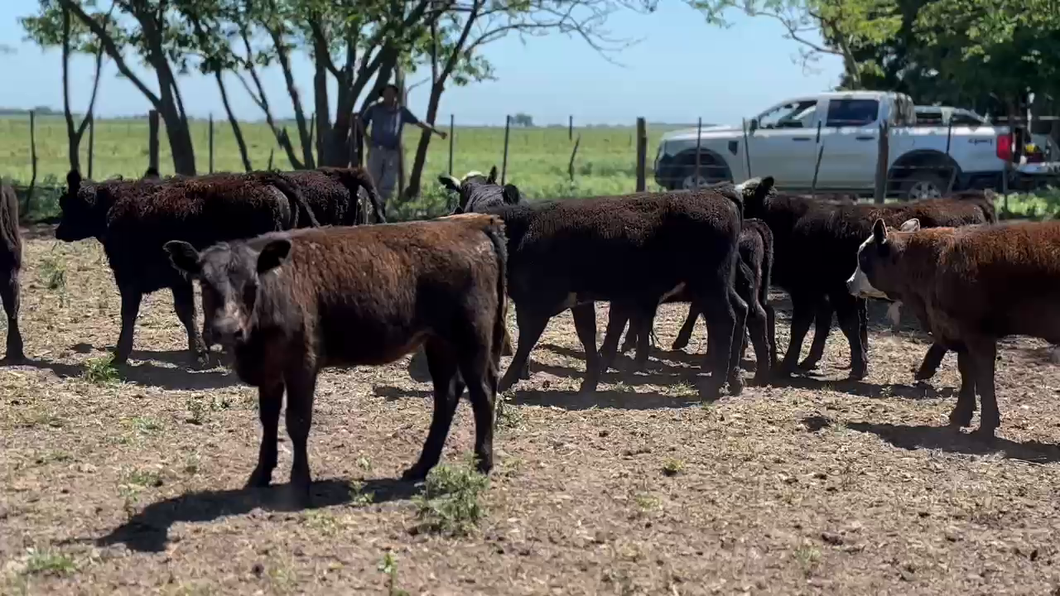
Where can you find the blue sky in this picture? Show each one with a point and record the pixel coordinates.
(681, 70)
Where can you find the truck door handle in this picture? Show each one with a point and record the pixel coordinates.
(866, 138)
(800, 138)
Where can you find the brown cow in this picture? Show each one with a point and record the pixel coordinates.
(10, 264)
(972, 286)
(291, 303)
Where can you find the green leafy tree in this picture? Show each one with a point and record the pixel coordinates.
(846, 26)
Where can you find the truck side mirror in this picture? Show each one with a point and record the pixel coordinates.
(753, 125)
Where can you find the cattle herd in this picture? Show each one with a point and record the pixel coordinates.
(295, 277)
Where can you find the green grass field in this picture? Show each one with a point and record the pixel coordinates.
(538, 158)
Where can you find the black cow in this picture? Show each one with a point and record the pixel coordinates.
(10, 265)
(629, 250)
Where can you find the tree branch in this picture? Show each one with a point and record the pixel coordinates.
(112, 50)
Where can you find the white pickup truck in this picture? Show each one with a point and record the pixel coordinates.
(784, 142)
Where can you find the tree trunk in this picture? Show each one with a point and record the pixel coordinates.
(415, 177)
(236, 129)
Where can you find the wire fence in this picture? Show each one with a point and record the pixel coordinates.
(545, 162)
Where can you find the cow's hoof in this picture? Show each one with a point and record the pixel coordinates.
(679, 344)
(761, 378)
(985, 432)
(808, 365)
(961, 418)
(735, 385)
(416, 473)
(923, 375)
(589, 386)
(13, 358)
(484, 464)
(259, 479)
(858, 373)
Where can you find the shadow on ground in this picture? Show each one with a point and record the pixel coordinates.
(148, 374)
(148, 530)
(951, 440)
(863, 389)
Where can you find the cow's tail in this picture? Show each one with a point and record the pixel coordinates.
(356, 178)
(302, 214)
(497, 235)
(767, 261)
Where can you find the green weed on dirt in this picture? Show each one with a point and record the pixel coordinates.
(450, 503)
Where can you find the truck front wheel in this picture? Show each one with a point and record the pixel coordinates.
(710, 172)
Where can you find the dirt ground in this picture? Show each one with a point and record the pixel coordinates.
(818, 486)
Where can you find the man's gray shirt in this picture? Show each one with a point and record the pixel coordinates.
(386, 124)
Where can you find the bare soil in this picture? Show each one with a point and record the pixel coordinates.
(819, 486)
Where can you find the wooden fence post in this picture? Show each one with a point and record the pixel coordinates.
(211, 143)
(747, 149)
(452, 140)
(570, 128)
(504, 164)
(699, 136)
(573, 154)
(642, 154)
(33, 160)
(152, 140)
(882, 160)
(91, 142)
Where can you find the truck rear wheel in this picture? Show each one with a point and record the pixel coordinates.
(923, 184)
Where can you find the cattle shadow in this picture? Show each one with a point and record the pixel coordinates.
(568, 400)
(952, 440)
(615, 399)
(863, 389)
(144, 373)
(148, 530)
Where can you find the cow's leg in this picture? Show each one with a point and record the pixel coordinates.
(846, 307)
(130, 308)
(757, 327)
(802, 313)
(984, 356)
(531, 325)
(270, 400)
(10, 293)
(771, 334)
(448, 386)
(822, 327)
(184, 305)
(301, 384)
(641, 327)
(631, 333)
(863, 322)
(965, 408)
(585, 325)
(506, 347)
(931, 363)
(685, 334)
(720, 314)
(617, 318)
(482, 391)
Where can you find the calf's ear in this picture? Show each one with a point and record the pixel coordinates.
(879, 232)
(449, 182)
(910, 225)
(273, 255)
(510, 194)
(73, 180)
(492, 178)
(183, 256)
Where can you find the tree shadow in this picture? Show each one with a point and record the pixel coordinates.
(863, 389)
(952, 440)
(148, 530)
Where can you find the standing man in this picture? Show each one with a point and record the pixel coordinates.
(387, 118)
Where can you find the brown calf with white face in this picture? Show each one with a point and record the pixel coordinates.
(972, 285)
(291, 303)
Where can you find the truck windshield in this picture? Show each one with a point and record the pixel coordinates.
(794, 114)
